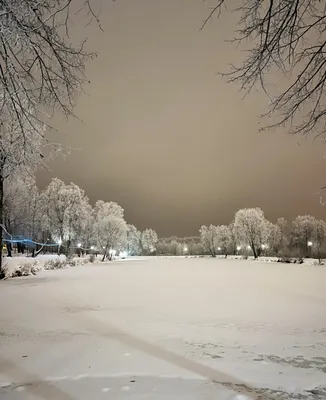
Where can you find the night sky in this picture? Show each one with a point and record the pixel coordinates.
(167, 138)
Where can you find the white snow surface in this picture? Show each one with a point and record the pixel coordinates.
(13, 263)
(156, 328)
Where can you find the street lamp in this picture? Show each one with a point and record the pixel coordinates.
(185, 249)
(79, 245)
(60, 242)
(248, 247)
(310, 248)
(238, 248)
(92, 247)
(218, 249)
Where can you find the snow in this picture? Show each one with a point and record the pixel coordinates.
(11, 264)
(166, 329)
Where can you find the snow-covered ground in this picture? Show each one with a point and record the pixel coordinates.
(160, 328)
(11, 264)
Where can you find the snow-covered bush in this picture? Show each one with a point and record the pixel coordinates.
(55, 264)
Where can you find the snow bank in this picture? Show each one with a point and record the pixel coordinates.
(28, 265)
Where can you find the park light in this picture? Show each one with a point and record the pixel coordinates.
(218, 249)
(263, 246)
(238, 248)
(185, 249)
(92, 247)
(59, 241)
(309, 244)
(79, 245)
(248, 247)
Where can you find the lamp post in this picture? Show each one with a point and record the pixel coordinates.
(310, 248)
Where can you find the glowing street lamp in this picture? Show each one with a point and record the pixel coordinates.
(263, 246)
(218, 249)
(60, 242)
(238, 248)
(79, 245)
(309, 244)
(248, 247)
(92, 247)
(185, 249)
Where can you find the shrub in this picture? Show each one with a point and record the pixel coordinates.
(55, 264)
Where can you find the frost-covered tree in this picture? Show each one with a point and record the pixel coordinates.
(274, 237)
(233, 238)
(134, 240)
(87, 237)
(303, 229)
(109, 208)
(208, 237)
(23, 213)
(21, 148)
(149, 240)
(283, 227)
(224, 239)
(110, 227)
(67, 210)
(42, 66)
(251, 228)
(319, 239)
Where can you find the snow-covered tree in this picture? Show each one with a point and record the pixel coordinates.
(21, 147)
(208, 237)
(110, 227)
(224, 239)
(42, 66)
(88, 236)
(274, 237)
(319, 238)
(67, 211)
(149, 240)
(283, 227)
(134, 240)
(103, 208)
(251, 228)
(233, 238)
(303, 229)
(23, 211)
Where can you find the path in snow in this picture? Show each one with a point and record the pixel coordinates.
(167, 328)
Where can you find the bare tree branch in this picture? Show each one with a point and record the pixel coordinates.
(40, 69)
(287, 37)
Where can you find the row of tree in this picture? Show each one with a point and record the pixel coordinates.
(251, 232)
(62, 214)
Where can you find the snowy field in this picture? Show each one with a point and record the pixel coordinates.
(165, 329)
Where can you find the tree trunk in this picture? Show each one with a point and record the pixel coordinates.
(254, 251)
(1, 222)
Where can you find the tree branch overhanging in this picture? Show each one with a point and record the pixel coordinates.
(288, 38)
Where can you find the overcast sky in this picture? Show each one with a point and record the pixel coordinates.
(166, 138)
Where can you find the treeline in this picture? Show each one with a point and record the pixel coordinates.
(61, 217)
(174, 246)
(250, 233)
